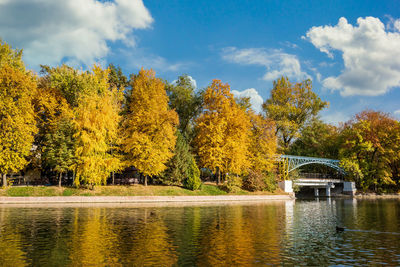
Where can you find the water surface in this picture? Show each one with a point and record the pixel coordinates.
(245, 234)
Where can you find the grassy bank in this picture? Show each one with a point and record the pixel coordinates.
(134, 190)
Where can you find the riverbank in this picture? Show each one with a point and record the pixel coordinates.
(140, 199)
(122, 191)
(376, 196)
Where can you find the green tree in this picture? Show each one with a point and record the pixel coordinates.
(186, 102)
(317, 139)
(149, 125)
(59, 148)
(182, 168)
(116, 78)
(291, 106)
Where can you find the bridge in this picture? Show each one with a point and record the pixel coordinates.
(289, 163)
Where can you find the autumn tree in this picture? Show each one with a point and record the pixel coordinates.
(11, 57)
(54, 141)
(262, 152)
(95, 119)
(186, 102)
(17, 124)
(222, 132)
(291, 106)
(371, 140)
(97, 128)
(149, 125)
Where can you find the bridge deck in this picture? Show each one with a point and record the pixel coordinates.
(317, 182)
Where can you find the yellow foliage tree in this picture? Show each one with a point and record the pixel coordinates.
(222, 138)
(17, 120)
(149, 126)
(97, 120)
(263, 143)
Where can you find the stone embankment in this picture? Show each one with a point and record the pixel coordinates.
(140, 199)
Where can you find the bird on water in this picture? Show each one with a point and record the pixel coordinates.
(339, 229)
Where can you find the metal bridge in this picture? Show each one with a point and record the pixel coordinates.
(290, 163)
(293, 162)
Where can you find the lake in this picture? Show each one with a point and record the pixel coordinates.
(300, 232)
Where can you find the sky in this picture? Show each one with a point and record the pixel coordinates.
(349, 49)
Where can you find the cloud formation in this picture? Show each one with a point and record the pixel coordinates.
(371, 55)
(275, 61)
(77, 31)
(256, 100)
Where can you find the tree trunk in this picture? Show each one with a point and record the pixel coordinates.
(219, 176)
(145, 180)
(59, 179)
(113, 177)
(4, 179)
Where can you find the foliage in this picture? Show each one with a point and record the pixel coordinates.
(262, 143)
(317, 139)
(259, 181)
(149, 126)
(186, 103)
(116, 78)
(17, 121)
(181, 168)
(352, 169)
(59, 149)
(291, 106)
(372, 141)
(97, 124)
(232, 184)
(177, 166)
(11, 57)
(192, 181)
(222, 133)
(71, 83)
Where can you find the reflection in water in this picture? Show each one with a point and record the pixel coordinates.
(281, 232)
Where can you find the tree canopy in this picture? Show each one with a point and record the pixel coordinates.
(291, 106)
(149, 126)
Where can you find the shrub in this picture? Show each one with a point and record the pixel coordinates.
(192, 181)
(232, 184)
(259, 181)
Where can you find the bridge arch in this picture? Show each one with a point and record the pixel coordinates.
(295, 162)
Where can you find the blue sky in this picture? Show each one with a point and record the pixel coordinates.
(350, 49)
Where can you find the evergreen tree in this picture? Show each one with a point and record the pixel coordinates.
(182, 168)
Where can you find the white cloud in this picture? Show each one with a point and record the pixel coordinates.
(256, 100)
(51, 31)
(276, 62)
(371, 55)
(397, 112)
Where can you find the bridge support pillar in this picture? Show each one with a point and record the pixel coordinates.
(316, 192)
(328, 191)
